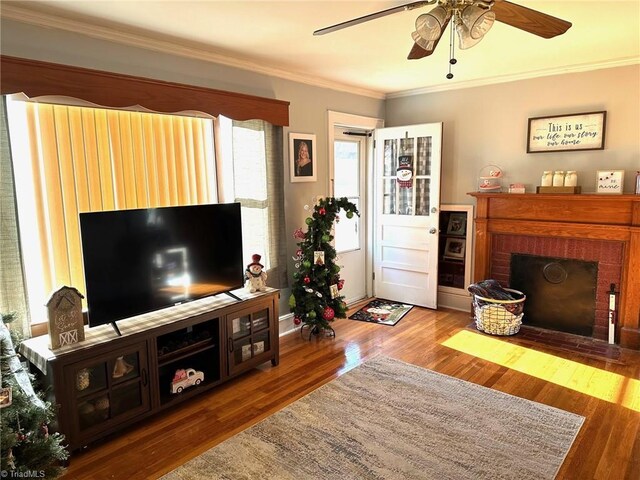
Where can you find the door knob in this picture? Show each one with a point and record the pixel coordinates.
(433, 230)
(434, 209)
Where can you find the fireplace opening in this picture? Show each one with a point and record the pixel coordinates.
(561, 292)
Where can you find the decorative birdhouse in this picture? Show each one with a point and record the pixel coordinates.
(66, 325)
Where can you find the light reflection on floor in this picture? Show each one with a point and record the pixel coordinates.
(598, 383)
(352, 357)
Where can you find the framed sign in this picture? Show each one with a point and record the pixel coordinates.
(609, 181)
(561, 133)
(302, 157)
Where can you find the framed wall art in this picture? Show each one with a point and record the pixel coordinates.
(561, 133)
(609, 181)
(302, 157)
(454, 248)
(457, 224)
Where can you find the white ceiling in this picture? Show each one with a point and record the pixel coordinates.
(275, 37)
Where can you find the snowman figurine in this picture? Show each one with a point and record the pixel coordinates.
(255, 278)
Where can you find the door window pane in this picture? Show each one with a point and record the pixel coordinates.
(405, 201)
(423, 204)
(346, 169)
(423, 159)
(406, 146)
(389, 196)
(346, 231)
(390, 164)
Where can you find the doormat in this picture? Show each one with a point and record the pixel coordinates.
(382, 311)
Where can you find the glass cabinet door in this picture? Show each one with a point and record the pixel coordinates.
(249, 339)
(109, 389)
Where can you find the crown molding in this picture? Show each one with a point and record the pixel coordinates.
(25, 15)
(621, 62)
(42, 19)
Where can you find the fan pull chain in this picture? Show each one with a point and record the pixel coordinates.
(452, 52)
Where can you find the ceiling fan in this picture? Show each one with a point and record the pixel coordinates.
(472, 19)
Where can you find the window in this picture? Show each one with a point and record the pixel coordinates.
(347, 157)
(73, 159)
(70, 159)
(251, 172)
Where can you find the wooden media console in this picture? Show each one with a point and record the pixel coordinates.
(107, 382)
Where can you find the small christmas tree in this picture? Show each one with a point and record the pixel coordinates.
(315, 299)
(26, 446)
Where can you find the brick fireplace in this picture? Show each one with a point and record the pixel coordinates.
(607, 254)
(587, 227)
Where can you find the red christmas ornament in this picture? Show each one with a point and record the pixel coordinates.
(328, 313)
(298, 234)
(297, 320)
(340, 284)
(306, 280)
(322, 211)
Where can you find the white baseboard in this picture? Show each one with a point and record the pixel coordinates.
(457, 301)
(285, 324)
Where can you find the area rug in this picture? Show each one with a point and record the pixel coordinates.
(382, 311)
(387, 419)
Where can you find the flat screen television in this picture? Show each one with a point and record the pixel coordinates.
(141, 260)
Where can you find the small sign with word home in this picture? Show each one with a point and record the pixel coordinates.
(579, 131)
(66, 325)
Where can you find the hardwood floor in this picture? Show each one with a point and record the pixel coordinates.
(606, 392)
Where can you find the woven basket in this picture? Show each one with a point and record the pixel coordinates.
(499, 317)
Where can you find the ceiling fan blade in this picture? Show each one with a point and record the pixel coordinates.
(529, 20)
(418, 52)
(373, 16)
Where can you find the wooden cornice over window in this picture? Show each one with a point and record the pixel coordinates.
(35, 79)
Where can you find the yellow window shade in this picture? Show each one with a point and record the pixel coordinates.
(91, 159)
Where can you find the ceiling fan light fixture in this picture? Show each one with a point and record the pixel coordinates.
(478, 20)
(429, 25)
(464, 36)
(421, 42)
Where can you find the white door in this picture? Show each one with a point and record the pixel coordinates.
(407, 166)
(349, 161)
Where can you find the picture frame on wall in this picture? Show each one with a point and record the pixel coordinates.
(455, 248)
(562, 133)
(302, 157)
(610, 181)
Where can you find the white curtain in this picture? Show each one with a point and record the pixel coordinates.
(13, 296)
(258, 175)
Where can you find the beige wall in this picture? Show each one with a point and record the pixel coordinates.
(488, 125)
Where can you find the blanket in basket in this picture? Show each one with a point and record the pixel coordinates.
(491, 289)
